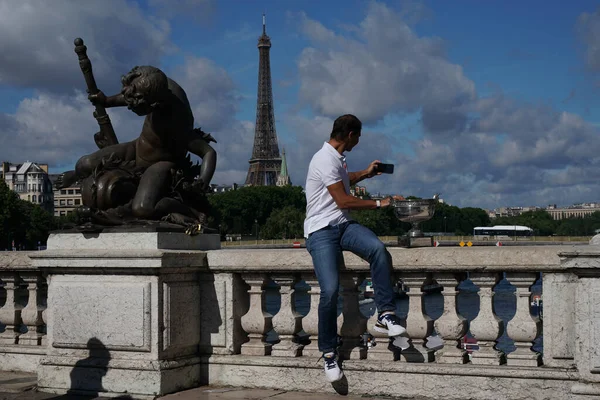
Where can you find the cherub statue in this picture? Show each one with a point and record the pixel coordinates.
(148, 178)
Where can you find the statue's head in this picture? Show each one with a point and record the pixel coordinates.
(144, 89)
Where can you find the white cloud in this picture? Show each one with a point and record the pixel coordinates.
(36, 38)
(57, 129)
(56, 125)
(211, 92)
(387, 68)
(479, 151)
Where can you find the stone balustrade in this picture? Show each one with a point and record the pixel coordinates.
(432, 361)
(245, 308)
(23, 295)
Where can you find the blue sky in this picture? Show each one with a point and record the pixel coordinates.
(490, 103)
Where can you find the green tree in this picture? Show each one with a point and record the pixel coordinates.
(240, 211)
(540, 221)
(21, 221)
(458, 221)
(11, 225)
(41, 222)
(382, 222)
(287, 222)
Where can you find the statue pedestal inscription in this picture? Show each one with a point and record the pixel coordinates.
(124, 312)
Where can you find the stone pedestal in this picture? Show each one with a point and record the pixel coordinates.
(123, 312)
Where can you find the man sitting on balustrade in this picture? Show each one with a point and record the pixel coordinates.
(329, 229)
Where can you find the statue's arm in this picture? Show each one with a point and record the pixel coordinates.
(118, 100)
(200, 147)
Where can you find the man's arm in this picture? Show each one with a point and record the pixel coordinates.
(348, 202)
(356, 177)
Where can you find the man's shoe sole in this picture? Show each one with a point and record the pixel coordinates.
(335, 380)
(401, 331)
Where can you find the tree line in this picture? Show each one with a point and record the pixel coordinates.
(271, 212)
(23, 223)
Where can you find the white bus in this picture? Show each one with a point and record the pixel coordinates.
(506, 232)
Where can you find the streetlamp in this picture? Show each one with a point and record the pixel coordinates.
(444, 225)
(256, 222)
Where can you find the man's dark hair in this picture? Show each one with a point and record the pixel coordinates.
(345, 124)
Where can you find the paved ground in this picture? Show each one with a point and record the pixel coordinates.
(202, 393)
(21, 386)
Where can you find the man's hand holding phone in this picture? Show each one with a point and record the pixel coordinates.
(382, 168)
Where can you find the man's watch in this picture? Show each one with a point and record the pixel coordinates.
(378, 203)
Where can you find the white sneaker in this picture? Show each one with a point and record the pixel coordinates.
(390, 324)
(333, 372)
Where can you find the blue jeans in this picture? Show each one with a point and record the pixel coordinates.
(325, 246)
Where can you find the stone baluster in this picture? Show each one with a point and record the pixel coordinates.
(451, 326)
(523, 327)
(560, 307)
(287, 322)
(256, 322)
(418, 324)
(10, 313)
(31, 315)
(351, 323)
(382, 350)
(310, 322)
(486, 327)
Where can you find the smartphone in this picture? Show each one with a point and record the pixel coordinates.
(384, 168)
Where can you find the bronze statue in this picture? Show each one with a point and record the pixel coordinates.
(151, 177)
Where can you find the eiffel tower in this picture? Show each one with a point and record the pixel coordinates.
(265, 163)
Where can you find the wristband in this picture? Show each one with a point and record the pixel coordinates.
(378, 203)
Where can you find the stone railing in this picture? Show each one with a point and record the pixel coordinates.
(248, 318)
(23, 295)
(243, 345)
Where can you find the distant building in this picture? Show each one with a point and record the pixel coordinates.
(358, 191)
(510, 211)
(564, 213)
(223, 188)
(66, 200)
(30, 181)
(283, 179)
(557, 213)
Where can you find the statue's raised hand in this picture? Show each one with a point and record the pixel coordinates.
(98, 99)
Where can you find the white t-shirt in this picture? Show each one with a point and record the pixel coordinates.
(326, 168)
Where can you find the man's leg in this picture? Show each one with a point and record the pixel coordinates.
(324, 248)
(363, 242)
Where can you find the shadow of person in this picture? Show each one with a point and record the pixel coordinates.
(86, 376)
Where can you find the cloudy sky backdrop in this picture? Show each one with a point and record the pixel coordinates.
(490, 103)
